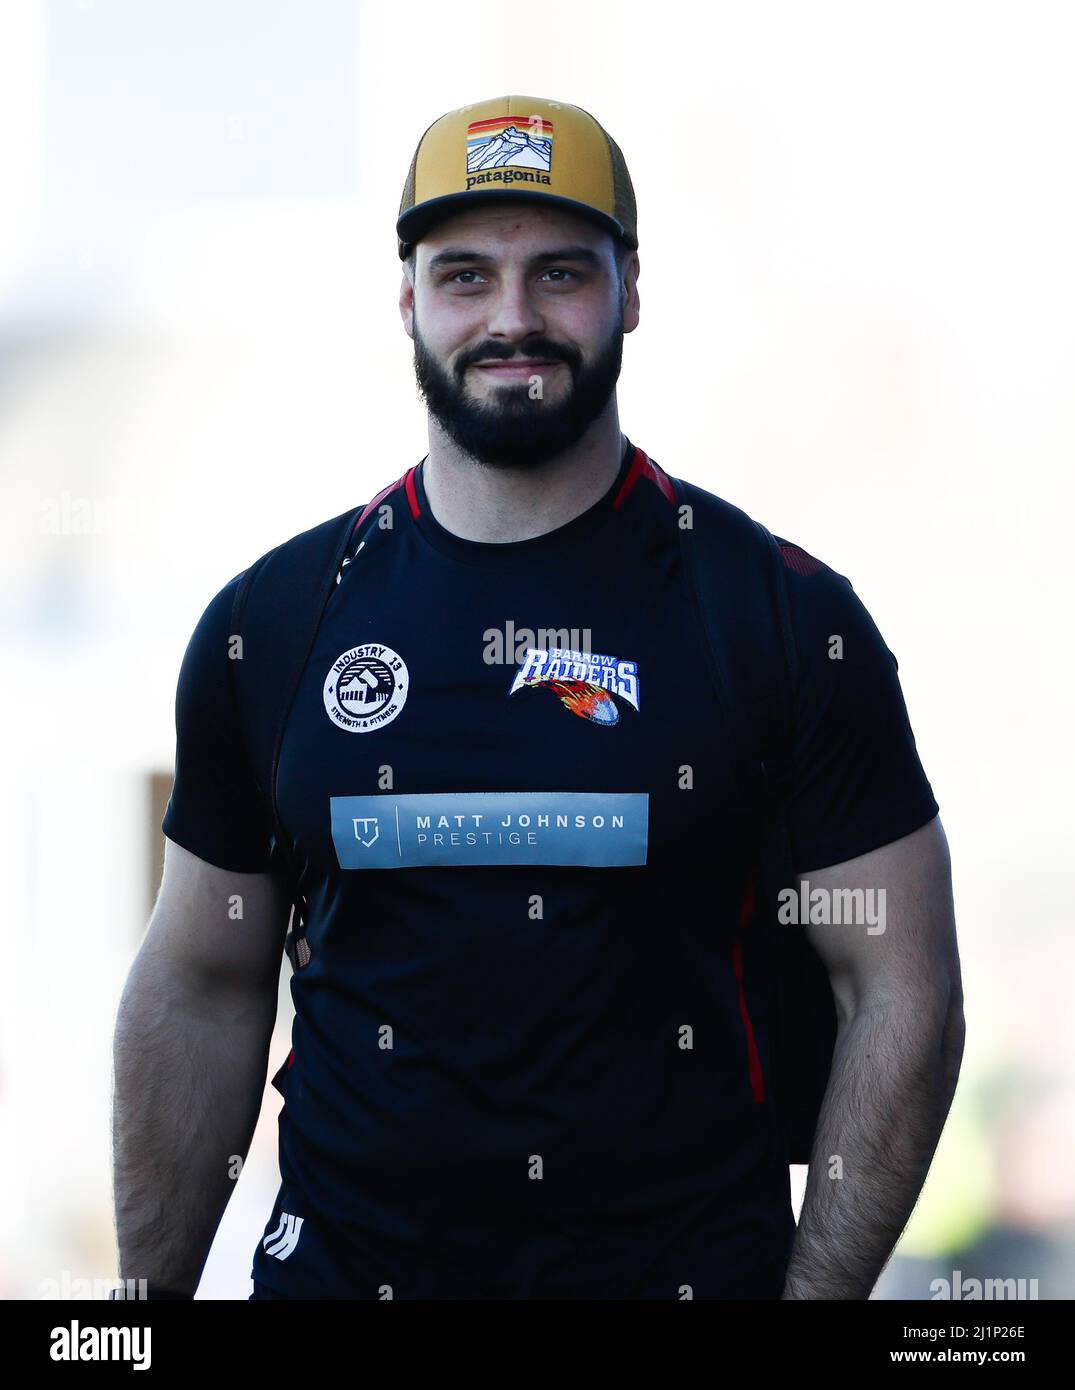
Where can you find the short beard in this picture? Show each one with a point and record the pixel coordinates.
(516, 431)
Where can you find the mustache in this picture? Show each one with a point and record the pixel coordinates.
(497, 352)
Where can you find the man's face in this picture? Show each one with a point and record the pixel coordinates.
(518, 316)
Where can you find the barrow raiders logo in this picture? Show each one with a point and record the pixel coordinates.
(588, 684)
(366, 688)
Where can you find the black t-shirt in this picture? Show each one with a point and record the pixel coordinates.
(524, 1043)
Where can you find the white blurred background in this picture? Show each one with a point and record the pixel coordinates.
(858, 323)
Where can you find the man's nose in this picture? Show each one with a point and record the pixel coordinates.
(515, 314)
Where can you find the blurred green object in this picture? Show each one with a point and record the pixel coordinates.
(959, 1198)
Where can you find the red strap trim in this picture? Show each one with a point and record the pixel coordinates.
(746, 914)
(799, 561)
(412, 493)
(633, 475)
(657, 475)
(291, 1059)
(642, 466)
(406, 482)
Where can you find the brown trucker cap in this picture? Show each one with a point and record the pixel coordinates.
(522, 149)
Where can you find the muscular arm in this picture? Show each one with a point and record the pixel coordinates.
(899, 1007)
(191, 1053)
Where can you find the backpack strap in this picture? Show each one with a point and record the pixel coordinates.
(737, 574)
(276, 613)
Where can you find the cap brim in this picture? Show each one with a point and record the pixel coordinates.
(414, 225)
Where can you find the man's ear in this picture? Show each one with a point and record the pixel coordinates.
(631, 303)
(406, 301)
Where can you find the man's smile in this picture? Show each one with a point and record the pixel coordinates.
(515, 368)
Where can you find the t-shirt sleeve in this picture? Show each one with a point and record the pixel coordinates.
(859, 783)
(215, 809)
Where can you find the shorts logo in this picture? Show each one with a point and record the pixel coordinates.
(586, 683)
(286, 1236)
(366, 688)
(501, 144)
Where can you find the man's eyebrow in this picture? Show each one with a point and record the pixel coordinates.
(454, 255)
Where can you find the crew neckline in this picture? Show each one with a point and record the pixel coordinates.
(509, 553)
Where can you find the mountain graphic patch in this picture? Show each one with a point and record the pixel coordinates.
(521, 141)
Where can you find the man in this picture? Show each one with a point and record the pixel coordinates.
(528, 1059)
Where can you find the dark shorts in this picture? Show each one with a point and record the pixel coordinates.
(559, 1274)
(699, 1250)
